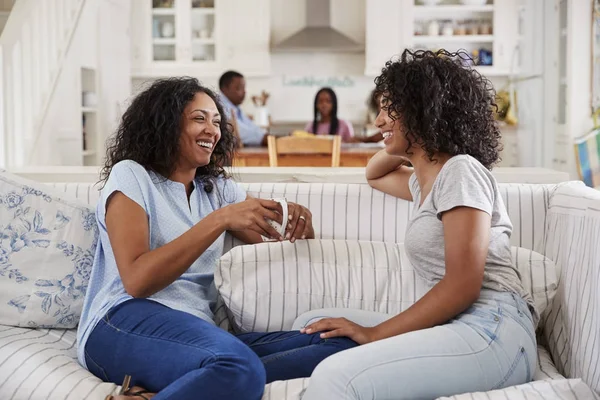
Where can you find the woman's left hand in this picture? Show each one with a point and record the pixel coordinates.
(334, 327)
(299, 224)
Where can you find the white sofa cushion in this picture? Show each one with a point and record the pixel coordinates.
(572, 327)
(267, 286)
(294, 388)
(558, 389)
(41, 364)
(47, 247)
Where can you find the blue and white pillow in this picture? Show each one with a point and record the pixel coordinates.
(47, 248)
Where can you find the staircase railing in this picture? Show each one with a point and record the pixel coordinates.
(33, 47)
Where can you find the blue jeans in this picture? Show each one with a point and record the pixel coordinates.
(489, 346)
(181, 356)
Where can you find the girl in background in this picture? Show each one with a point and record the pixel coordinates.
(325, 120)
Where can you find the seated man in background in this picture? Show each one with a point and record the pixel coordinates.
(233, 88)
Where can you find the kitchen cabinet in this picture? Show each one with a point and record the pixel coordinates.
(488, 29)
(200, 37)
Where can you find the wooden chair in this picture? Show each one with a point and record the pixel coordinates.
(236, 131)
(304, 151)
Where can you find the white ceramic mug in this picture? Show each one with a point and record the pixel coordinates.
(280, 228)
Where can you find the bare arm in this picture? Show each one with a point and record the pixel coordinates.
(466, 236)
(388, 174)
(144, 271)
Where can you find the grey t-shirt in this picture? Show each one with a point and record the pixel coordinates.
(462, 182)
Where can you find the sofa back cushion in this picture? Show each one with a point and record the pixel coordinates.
(47, 247)
(357, 212)
(572, 328)
(267, 286)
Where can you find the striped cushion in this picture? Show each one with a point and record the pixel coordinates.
(267, 286)
(572, 328)
(39, 364)
(356, 211)
(293, 389)
(560, 389)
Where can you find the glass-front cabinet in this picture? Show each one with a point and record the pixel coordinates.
(169, 34)
(199, 37)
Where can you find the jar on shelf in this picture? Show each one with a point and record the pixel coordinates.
(418, 28)
(433, 28)
(460, 28)
(448, 28)
(485, 27)
(472, 28)
(167, 29)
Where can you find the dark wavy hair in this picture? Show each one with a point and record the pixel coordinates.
(333, 126)
(442, 105)
(150, 129)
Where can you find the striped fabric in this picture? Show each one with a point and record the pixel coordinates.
(355, 211)
(563, 389)
(267, 286)
(572, 328)
(351, 211)
(40, 364)
(293, 389)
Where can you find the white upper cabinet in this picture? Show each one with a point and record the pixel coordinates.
(199, 37)
(384, 37)
(486, 29)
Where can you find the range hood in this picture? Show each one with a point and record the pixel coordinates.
(318, 36)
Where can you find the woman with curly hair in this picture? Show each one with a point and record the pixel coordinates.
(474, 329)
(163, 212)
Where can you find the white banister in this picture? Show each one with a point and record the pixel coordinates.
(33, 47)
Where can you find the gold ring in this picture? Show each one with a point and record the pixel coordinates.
(302, 217)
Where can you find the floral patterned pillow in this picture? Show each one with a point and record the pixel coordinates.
(47, 248)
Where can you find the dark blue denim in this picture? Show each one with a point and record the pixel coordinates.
(184, 357)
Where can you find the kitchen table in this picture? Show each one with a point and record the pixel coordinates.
(352, 155)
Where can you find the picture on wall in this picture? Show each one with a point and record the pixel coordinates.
(596, 56)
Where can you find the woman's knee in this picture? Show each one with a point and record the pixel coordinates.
(331, 379)
(244, 368)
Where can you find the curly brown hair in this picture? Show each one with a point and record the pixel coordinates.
(150, 129)
(443, 106)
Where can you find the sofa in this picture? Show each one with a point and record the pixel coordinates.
(558, 221)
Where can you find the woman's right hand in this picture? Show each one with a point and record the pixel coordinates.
(252, 214)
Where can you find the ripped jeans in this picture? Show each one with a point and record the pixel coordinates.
(489, 346)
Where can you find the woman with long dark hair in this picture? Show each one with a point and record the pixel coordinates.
(325, 119)
(163, 213)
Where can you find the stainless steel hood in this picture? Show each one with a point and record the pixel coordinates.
(318, 35)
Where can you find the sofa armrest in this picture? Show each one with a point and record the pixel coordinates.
(571, 325)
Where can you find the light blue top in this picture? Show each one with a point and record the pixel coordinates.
(250, 133)
(169, 216)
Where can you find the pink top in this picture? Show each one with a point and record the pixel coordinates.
(345, 129)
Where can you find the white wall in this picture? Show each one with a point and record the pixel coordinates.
(579, 67)
(95, 46)
(61, 137)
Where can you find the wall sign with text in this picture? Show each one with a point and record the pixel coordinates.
(316, 81)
